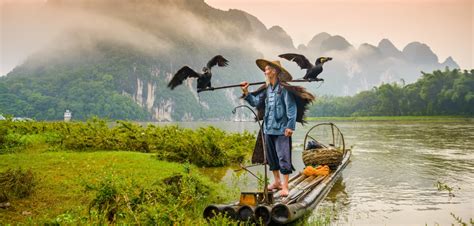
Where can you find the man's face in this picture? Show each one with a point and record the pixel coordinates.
(270, 72)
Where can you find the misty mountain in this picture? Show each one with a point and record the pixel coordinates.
(449, 62)
(388, 49)
(355, 69)
(316, 43)
(115, 58)
(419, 53)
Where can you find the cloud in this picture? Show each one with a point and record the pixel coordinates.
(28, 26)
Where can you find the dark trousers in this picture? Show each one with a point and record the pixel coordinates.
(279, 153)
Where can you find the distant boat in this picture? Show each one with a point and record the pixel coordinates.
(18, 119)
(22, 119)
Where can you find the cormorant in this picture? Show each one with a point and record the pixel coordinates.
(204, 79)
(312, 71)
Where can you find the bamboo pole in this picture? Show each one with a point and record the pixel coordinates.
(253, 84)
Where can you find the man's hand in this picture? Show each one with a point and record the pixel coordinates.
(288, 132)
(244, 86)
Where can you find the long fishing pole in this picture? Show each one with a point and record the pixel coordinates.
(255, 83)
(264, 147)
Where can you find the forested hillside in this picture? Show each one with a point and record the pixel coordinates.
(448, 92)
(114, 59)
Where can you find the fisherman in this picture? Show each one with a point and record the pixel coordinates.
(280, 116)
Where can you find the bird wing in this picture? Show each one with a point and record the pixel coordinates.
(181, 75)
(301, 60)
(217, 60)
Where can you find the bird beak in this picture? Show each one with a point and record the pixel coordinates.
(325, 59)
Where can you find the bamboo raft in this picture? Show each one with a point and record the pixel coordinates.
(305, 193)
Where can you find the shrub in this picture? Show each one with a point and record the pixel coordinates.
(17, 183)
(207, 146)
(173, 200)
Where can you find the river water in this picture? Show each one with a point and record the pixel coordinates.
(393, 174)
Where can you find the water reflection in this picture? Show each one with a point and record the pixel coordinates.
(215, 173)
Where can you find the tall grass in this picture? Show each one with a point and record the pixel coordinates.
(16, 183)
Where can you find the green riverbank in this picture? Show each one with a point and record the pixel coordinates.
(90, 173)
(105, 187)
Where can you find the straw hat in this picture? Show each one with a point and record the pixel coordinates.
(285, 75)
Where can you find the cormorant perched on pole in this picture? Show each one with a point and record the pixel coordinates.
(204, 79)
(312, 71)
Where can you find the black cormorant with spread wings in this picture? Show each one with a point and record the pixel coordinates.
(204, 78)
(312, 71)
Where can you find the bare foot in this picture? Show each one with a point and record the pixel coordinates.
(284, 192)
(274, 186)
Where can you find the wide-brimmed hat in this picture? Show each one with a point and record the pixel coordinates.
(285, 76)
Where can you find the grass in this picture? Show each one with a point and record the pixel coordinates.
(393, 118)
(90, 173)
(62, 178)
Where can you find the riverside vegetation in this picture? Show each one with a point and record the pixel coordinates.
(440, 93)
(90, 172)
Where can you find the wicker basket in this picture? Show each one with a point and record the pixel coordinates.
(323, 156)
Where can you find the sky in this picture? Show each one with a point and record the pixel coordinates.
(445, 25)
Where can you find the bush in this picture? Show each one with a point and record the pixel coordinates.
(207, 146)
(17, 183)
(3, 133)
(174, 200)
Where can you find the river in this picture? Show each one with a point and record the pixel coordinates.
(393, 174)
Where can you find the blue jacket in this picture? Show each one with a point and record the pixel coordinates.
(280, 109)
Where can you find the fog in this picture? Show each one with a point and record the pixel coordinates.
(31, 26)
(166, 28)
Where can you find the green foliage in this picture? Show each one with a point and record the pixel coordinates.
(17, 183)
(109, 200)
(203, 147)
(17, 136)
(3, 134)
(173, 200)
(85, 85)
(114, 80)
(223, 220)
(130, 187)
(449, 92)
(261, 181)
